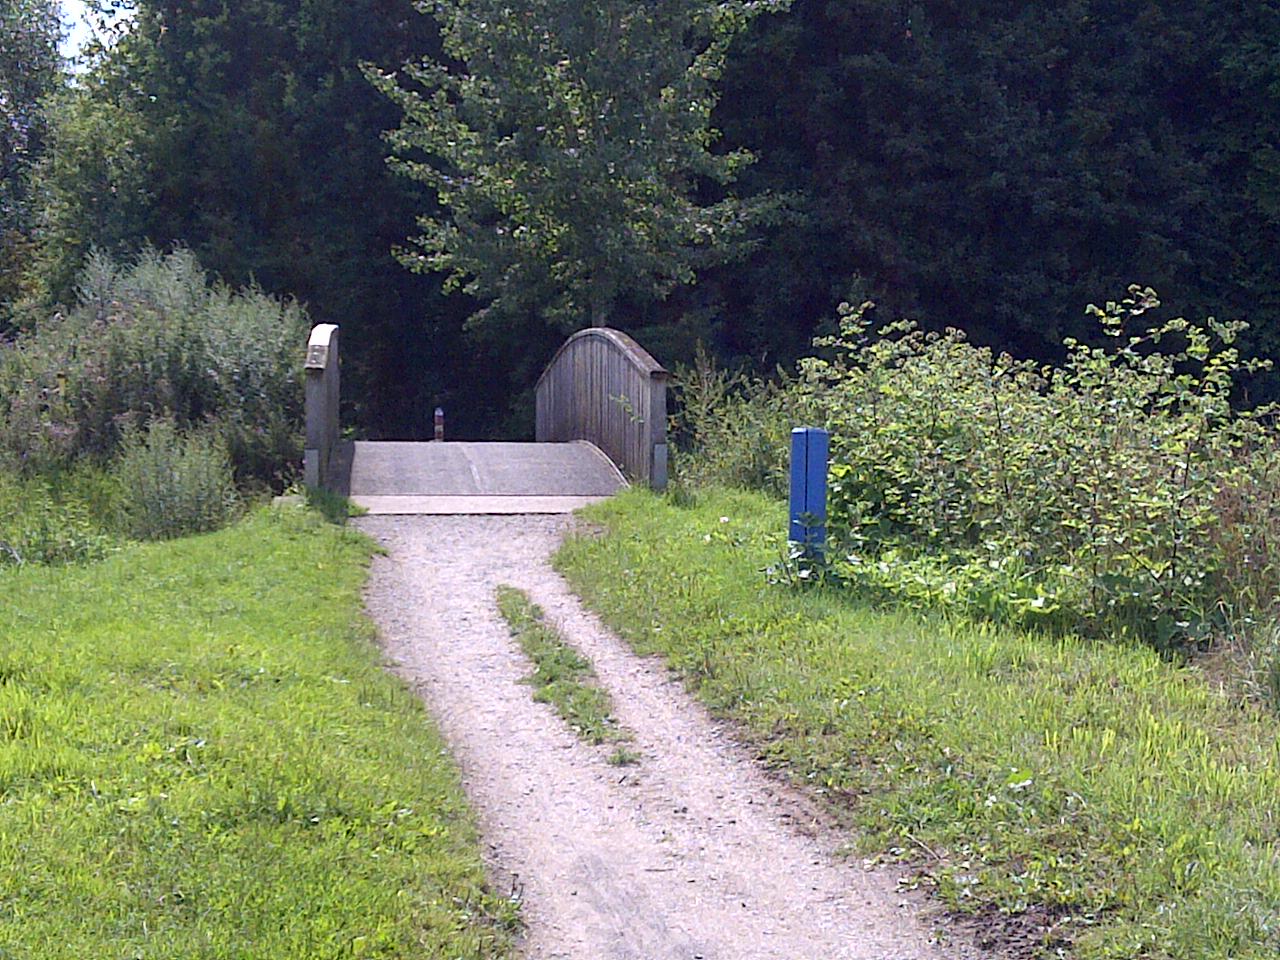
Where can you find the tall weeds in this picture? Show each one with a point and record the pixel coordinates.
(67, 519)
(178, 484)
(732, 429)
(1116, 493)
(153, 339)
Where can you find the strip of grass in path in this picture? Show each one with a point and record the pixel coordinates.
(1093, 779)
(561, 676)
(201, 756)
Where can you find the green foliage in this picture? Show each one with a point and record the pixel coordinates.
(152, 339)
(1107, 494)
(174, 484)
(95, 184)
(201, 755)
(729, 427)
(30, 70)
(1095, 484)
(567, 143)
(247, 132)
(561, 676)
(955, 163)
(990, 166)
(1097, 785)
(66, 519)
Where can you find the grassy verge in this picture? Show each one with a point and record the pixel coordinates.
(201, 756)
(1089, 782)
(561, 675)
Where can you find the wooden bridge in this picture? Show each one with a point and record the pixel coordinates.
(601, 423)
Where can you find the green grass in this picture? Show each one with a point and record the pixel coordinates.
(201, 756)
(624, 757)
(334, 507)
(561, 676)
(1087, 780)
(56, 520)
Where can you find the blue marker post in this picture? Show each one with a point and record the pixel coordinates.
(810, 447)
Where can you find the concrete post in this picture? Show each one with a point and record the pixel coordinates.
(322, 391)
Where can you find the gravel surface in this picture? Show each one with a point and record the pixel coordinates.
(693, 853)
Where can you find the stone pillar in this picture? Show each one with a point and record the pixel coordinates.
(322, 395)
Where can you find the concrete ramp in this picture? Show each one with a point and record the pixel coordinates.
(393, 477)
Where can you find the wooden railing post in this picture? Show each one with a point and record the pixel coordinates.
(604, 387)
(658, 429)
(322, 395)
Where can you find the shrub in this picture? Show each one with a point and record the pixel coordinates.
(1106, 472)
(174, 484)
(1117, 492)
(154, 339)
(733, 429)
(55, 520)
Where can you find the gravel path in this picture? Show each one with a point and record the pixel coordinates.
(693, 853)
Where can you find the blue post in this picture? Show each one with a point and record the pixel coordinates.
(810, 447)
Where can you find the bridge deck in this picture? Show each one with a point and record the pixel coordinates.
(409, 477)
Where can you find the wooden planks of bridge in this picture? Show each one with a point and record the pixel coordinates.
(604, 387)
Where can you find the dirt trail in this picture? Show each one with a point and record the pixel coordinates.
(694, 853)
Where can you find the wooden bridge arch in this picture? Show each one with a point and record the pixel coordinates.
(601, 415)
(603, 387)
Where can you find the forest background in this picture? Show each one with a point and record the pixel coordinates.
(989, 166)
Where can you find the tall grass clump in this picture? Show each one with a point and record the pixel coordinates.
(56, 520)
(154, 339)
(1119, 492)
(730, 427)
(178, 484)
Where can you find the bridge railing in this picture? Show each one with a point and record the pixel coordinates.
(604, 387)
(322, 391)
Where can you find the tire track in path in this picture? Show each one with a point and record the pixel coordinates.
(694, 853)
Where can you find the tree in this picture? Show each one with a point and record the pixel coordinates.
(30, 70)
(570, 148)
(247, 132)
(997, 165)
(94, 188)
(1243, 144)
